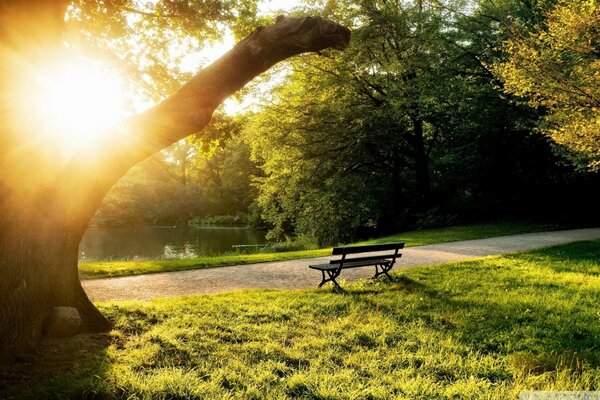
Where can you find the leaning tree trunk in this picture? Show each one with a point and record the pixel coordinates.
(45, 208)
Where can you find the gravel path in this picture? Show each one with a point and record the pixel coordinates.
(295, 274)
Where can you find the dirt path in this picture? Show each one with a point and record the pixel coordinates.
(295, 274)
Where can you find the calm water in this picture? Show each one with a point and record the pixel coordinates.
(151, 242)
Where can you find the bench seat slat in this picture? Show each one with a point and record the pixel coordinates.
(322, 267)
(364, 263)
(365, 258)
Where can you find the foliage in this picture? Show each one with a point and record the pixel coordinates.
(150, 193)
(303, 247)
(555, 64)
(346, 133)
(405, 129)
(193, 179)
(226, 220)
(224, 169)
(156, 46)
(147, 41)
(482, 329)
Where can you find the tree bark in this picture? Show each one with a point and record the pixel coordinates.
(46, 207)
(421, 163)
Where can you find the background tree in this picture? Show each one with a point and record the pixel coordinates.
(201, 176)
(367, 142)
(555, 64)
(407, 128)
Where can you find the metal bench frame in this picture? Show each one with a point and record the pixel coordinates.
(383, 262)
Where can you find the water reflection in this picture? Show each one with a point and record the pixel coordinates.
(152, 242)
(173, 252)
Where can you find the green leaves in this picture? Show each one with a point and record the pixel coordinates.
(555, 64)
(148, 41)
(347, 144)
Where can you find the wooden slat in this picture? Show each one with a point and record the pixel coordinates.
(366, 258)
(364, 263)
(366, 249)
(323, 266)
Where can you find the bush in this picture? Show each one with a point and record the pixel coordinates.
(297, 244)
(222, 220)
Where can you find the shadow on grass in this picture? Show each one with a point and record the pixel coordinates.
(535, 319)
(579, 257)
(62, 368)
(534, 338)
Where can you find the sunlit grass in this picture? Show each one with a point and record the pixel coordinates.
(101, 269)
(482, 329)
(123, 268)
(462, 232)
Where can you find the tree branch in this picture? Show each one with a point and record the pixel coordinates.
(190, 109)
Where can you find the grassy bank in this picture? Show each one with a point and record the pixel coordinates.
(482, 329)
(90, 270)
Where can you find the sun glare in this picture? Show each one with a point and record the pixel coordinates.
(76, 101)
(69, 104)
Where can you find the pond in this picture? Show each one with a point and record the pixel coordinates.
(163, 242)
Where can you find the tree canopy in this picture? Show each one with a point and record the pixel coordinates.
(418, 123)
(407, 128)
(555, 65)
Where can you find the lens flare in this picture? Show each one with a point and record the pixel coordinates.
(73, 102)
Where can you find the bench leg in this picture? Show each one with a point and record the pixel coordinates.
(331, 278)
(384, 270)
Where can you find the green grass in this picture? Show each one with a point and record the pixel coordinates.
(455, 233)
(102, 269)
(481, 329)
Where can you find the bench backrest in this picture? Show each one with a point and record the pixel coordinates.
(345, 251)
(367, 248)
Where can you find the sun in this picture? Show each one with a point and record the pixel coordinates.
(76, 100)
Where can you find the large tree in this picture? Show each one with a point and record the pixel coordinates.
(394, 135)
(46, 203)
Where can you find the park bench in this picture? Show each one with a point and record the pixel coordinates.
(381, 256)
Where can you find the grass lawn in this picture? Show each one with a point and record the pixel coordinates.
(102, 269)
(481, 329)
